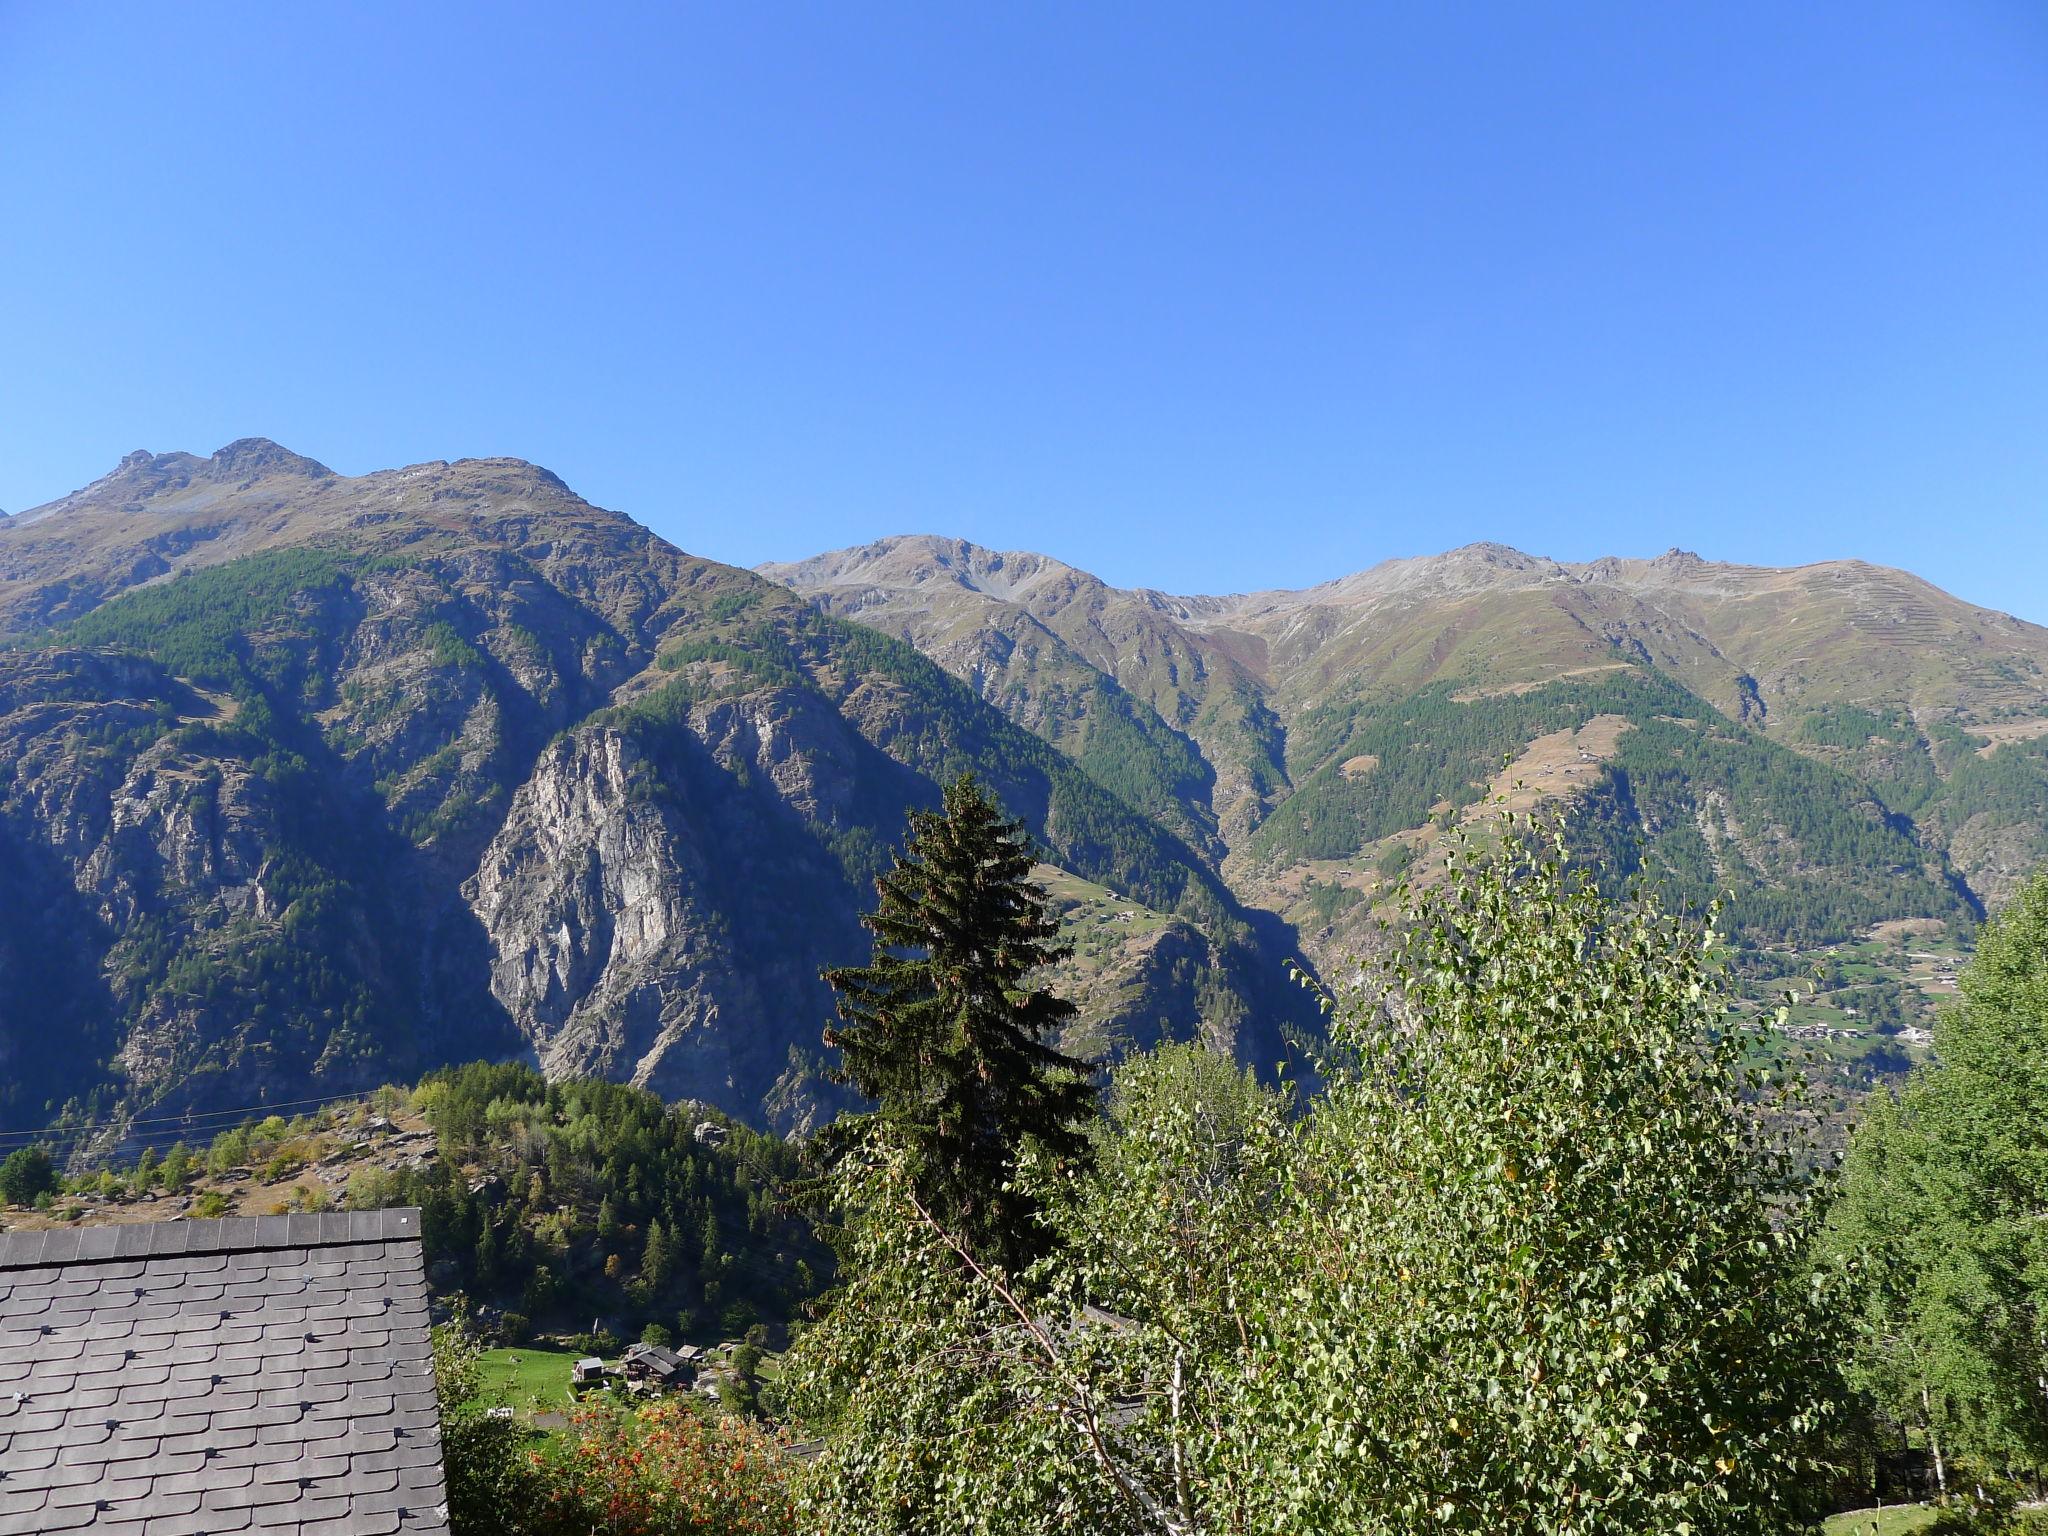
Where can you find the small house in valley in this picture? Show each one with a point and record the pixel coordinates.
(655, 1366)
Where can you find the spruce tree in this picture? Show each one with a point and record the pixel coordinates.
(657, 1259)
(941, 1030)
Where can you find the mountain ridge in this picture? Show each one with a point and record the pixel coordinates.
(286, 744)
(1693, 587)
(1785, 650)
(313, 778)
(1367, 583)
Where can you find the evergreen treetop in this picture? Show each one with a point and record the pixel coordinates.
(941, 1029)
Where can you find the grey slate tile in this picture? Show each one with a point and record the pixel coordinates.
(251, 1494)
(219, 1376)
(69, 1517)
(203, 1522)
(73, 1472)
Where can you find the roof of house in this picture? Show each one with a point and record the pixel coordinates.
(248, 1374)
(658, 1356)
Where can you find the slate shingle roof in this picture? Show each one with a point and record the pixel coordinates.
(266, 1373)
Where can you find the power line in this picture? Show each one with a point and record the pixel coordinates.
(199, 1118)
(185, 1117)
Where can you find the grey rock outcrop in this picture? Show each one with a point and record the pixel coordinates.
(603, 949)
(310, 782)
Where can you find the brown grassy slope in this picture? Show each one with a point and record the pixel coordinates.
(1760, 643)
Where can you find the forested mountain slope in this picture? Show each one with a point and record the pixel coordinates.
(1114, 678)
(310, 781)
(1837, 745)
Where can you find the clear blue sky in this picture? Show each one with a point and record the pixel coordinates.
(1200, 298)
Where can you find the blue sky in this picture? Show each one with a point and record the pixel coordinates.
(1199, 298)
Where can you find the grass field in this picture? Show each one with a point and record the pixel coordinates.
(514, 1377)
(1093, 917)
(1894, 1521)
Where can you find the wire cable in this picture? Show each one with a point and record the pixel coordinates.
(207, 1119)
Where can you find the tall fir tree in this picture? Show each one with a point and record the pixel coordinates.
(942, 1031)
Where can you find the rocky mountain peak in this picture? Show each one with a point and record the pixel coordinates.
(908, 562)
(247, 457)
(522, 469)
(141, 476)
(1469, 568)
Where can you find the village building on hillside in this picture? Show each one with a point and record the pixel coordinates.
(656, 1367)
(249, 1374)
(642, 1368)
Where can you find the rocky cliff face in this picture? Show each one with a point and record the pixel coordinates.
(310, 781)
(603, 947)
(648, 915)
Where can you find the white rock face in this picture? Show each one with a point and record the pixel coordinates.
(603, 951)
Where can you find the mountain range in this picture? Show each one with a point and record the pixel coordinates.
(311, 781)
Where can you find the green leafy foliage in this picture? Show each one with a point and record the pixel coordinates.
(493, 1487)
(1553, 1239)
(1942, 1206)
(663, 1469)
(666, 1469)
(1535, 1260)
(26, 1176)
